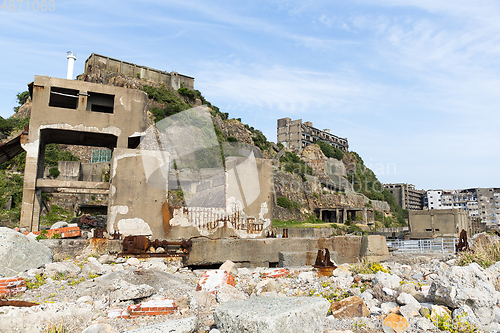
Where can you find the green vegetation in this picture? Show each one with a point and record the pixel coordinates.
(39, 281)
(486, 253)
(22, 97)
(368, 267)
(292, 163)
(56, 214)
(330, 151)
(173, 104)
(54, 172)
(364, 181)
(12, 124)
(454, 325)
(287, 203)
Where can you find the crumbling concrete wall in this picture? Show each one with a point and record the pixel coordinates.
(138, 192)
(75, 113)
(247, 210)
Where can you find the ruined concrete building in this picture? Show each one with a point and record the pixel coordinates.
(294, 134)
(89, 114)
(172, 80)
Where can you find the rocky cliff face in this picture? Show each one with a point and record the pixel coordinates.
(310, 195)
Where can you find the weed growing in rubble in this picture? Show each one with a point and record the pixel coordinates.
(369, 267)
(56, 329)
(93, 276)
(60, 276)
(39, 281)
(76, 281)
(486, 253)
(457, 325)
(331, 295)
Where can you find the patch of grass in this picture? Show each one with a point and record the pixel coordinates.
(287, 203)
(368, 267)
(39, 281)
(486, 253)
(459, 324)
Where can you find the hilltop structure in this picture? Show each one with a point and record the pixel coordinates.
(172, 80)
(294, 134)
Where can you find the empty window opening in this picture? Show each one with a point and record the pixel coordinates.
(63, 98)
(100, 102)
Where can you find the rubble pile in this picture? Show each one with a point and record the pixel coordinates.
(125, 294)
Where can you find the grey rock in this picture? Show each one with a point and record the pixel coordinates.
(387, 280)
(227, 293)
(273, 285)
(34, 319)
(19, 253)
(405, 299)
(229, 267)
(267, 314)
(66, 268)
(60, 224)
(127, 291)
(99, 328)
(93, 266)
(185, 325)
(158, 280)
(389, 307)
(106, 259)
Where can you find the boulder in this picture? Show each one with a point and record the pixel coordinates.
(229, 267)
(185, 325)
(93, 266)
(351, 307)
(99, 328)
(227, 293)
(272, 315)
(127, 291)
(394, 323)
(60, 224)
(19, 253)
(71, 316)
(387, 280)
(63, 269)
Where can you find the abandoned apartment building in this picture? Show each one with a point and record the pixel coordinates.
(88, 114)
(295, 134)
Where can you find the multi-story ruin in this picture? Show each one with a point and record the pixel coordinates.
(406, 195)
(115, 118)
(294, 134)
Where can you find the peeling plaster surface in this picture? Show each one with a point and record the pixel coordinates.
(108, 130)
(113, 212)
(134, 226)
(31, 147)
(119, 157)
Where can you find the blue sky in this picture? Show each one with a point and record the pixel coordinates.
(413, 84)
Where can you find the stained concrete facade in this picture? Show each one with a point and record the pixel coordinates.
(437, 223)
(295, 134)
(76, 113)
(407, 196)
(172, 80)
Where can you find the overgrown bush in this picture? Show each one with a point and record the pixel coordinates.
(330, 151)
(287, 203)
(54, 171)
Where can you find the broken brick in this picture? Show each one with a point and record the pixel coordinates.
(211, 280)
(12, 286)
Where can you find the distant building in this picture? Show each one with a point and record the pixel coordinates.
(438, 223)
(433, 199)
(295, 134)
(483, 203)
(406, 195)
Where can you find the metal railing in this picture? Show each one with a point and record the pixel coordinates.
(439, 245)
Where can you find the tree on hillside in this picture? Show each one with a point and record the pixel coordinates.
(22, 97)
(330, 151)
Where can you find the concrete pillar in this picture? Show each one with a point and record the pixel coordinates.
(344, 217)
(365, 219)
